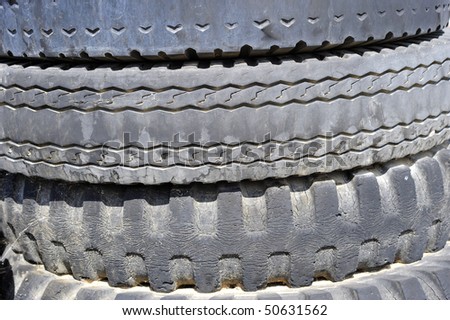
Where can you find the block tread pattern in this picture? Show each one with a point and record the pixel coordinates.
(427, 279)
(248, 234)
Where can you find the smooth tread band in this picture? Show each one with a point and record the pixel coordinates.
(170, 29)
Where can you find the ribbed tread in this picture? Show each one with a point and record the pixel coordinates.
(229, 96)
(155, 124)
(365, 142)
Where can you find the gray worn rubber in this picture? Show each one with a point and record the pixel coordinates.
(172, 29)
(295, 116)
(427, 279)
(250, 234)
(6, 275)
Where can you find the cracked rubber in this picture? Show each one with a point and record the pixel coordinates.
(427, 279)
(248, 234)
(227, 121)
(160, 30)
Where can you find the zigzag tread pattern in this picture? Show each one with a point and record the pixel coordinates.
(196, 155)
(74, 115)
(230, 96)
(254, 171)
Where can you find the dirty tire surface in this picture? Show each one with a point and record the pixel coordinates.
(427, 279)
(257, 119)
(248, 234)
(207, 29)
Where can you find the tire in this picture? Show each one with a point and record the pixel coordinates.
(254, 119)
(6, 281)
(207, 29)
(427, 279)
(250, 234)
(6, 275)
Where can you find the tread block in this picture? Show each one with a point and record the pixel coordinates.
(95, 293)
(134, 296)
(404, 288)
(444, 282)
(33, 285)
(368, 254)
(318, 295)
(61, 289)
(430, 284)
(254, 208)
(364, 292)
(428, 279)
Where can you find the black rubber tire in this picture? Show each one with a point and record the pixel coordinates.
(427, 279)
(250, 234)
(295, 116)
(167, 29)
(6, 275)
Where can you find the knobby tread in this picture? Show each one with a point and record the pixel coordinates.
(427, 279)
(165, 30)
(154, 124)
(247, 234)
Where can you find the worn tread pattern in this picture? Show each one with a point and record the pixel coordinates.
(167, 30)
(230, 96)
(427, 279)
(339, 110)
(398, 138)
(248, 234)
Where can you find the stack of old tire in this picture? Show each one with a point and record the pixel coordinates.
(160, 145)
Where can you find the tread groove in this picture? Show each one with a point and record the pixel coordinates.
(296, 220)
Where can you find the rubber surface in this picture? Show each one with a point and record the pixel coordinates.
(170, 29)
(6, 275)
(247, 119)
(427, 279)
(250, 234)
